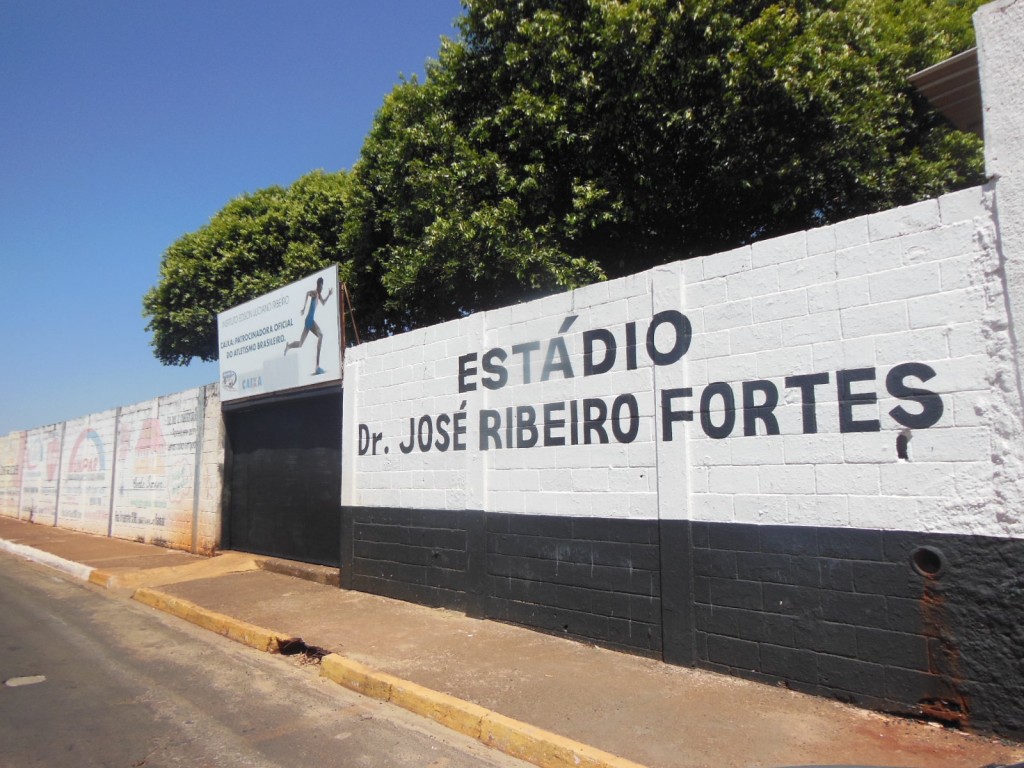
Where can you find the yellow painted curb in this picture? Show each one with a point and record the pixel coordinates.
(100, 577)
(526, 742)
(240, 631)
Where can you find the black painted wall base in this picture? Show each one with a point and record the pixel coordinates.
(924, 625)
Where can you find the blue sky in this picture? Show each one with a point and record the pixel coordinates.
(125, 124)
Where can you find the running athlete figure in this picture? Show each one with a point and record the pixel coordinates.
(310, 325)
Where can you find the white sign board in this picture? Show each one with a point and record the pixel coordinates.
(285, 339)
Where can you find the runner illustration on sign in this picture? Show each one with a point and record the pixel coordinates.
(310, 324)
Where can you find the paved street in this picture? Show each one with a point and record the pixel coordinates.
(128, 686)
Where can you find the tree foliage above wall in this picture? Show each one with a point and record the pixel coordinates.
(557, 142)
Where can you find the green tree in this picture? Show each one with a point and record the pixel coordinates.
(256, 243)
(556, 141)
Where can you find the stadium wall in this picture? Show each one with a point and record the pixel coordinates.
(799, 461)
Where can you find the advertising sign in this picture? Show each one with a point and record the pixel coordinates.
(86, 472)
(285, 339)
(156, 457)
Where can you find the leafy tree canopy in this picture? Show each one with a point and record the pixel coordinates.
(558, 142)
(559, 139)
(256, 243)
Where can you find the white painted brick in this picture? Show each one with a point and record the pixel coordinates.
(813, 449)
(963, 205)
(755, 451)
(762, 510)
(869, 258)
(945, 243)
(960, 272)
(905, 283)
(713, 507)
(883, 512)
(922, 346)
(756, 338)
(643, 454)
(830, 511)
(781, 306)
(966, 339)
(813, 270)
(850, 353)
(706, 293)
(962, 374)
(947, 308)
(696, 371)
(699, 478)
(792, 478)
(897, 222)
(727, 263)
(811, 329)
(847, 478)
(631, 479)
(820, 240)
(779, 363)
(693, 271)
(590, 479)
(710, 453)
(779, 249)
(913, 478)
(731, 315)
(733, 368)
(870, 447)
(733, 480)
(952, 444)
(754, 282)
(974, 480)
(874, 319)
(970, 409)
(851, 233)
(839, 294)
(640, 308)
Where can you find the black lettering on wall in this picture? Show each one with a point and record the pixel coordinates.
(669, 416)
(931, 404)
(683, 335)
(765, 412)
(806, 383)
(500, 378)
(724, 391)
(848, 399)
(605, 337)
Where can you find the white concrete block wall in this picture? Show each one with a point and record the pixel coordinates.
(879, 319)
(12, 449)
(86, 473)
(129, 472)
(921, 284)
(40, 474)
(211, 475)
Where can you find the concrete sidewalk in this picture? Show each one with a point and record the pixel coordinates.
(546, 699)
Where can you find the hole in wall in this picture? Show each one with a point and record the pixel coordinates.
(927, 561)
(903, 445)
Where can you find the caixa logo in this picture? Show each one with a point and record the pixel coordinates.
(252, 382)
(229, 380)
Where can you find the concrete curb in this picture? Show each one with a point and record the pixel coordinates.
(515, 738)
(256, 637)
(79, 571)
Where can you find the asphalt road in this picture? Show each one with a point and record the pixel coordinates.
(89, 679)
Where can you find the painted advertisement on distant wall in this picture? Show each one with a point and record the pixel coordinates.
(86, 471)
(12, 450)
(40, 471)
(156, 469)
(285, 339)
